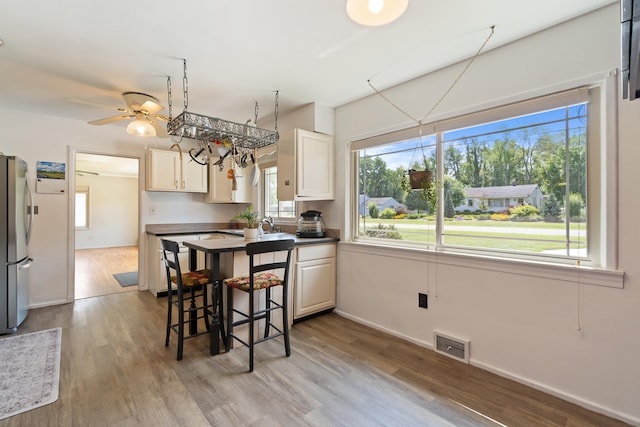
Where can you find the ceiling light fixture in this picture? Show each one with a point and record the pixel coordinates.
(141, 128)
(375, 12)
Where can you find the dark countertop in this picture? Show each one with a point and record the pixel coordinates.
(206, 228)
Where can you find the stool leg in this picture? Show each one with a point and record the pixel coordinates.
(267, 314)
(180, 323)
(193, 314)
(206, 305)
(285, 319)
(214, 333)
(169, 304)
(251, 331)
(229, 318)
(218, 306)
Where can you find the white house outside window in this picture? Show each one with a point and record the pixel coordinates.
(513, 179)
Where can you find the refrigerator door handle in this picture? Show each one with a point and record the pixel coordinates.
(25, 264)
(31, 211)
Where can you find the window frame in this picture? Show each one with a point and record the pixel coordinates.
(601, 190)
(267, 159)
(86, 190)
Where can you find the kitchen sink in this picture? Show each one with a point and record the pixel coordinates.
(274, 233)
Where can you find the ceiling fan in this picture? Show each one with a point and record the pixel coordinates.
(143, 109)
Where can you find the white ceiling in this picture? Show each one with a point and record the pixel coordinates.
(98, 165)
(240, 51)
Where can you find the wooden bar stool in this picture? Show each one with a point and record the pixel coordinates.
(194, 284)
(261, 279)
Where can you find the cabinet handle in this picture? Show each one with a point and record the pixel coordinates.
(176, 184)
(184, 185)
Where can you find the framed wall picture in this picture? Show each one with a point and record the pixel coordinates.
(51, 177)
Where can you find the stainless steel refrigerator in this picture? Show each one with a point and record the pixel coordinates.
(16, 219)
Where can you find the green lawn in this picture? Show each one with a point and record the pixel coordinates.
(487, 234)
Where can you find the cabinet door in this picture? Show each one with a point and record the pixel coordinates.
(314, 166)
(220, 186)
(164, 170)
(194, 176)
(315, 288)
(305, 166)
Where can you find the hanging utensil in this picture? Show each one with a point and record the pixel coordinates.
(255, 170)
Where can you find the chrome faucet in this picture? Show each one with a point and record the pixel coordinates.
(269, 221)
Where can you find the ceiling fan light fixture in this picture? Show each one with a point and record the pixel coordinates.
(141, 128)
(375, 12)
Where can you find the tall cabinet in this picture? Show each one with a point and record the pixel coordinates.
(305, 166)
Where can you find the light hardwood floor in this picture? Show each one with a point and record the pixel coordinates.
(95, 269)
(116, 371)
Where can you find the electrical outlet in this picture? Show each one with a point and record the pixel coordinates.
(152, 210)
(423, 300)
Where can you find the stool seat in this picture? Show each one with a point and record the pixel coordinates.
(193, 278)
(260, 281)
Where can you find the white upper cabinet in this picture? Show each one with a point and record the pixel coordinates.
(221, 187)
(168, 172)
(305, 166)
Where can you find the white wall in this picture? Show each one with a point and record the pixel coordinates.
(113, 212)
(524, 327)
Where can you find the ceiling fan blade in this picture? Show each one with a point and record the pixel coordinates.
(161, 117)
(151, 107)
(112, 119)
(161, 131)
(80, 101)
(141, 102)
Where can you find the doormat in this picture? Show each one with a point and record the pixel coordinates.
(30, 371)
(127, 279)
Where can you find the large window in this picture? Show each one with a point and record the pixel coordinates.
(514, 179)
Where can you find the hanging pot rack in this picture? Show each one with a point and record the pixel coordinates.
(209, 130)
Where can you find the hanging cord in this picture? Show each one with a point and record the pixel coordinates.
(464, 70)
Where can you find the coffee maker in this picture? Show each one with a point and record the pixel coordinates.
(310, 224)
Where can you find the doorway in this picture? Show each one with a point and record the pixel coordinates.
(106, 200)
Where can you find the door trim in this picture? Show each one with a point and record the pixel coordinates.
(71, 191)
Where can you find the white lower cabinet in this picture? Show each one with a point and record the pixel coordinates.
(315, 279)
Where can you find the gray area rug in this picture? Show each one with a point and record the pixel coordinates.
(29, 371)
(127, 279)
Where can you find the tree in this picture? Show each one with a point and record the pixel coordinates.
(551, 209)
(473, 168)
(449, 210)
(374, 212)
(453, 162)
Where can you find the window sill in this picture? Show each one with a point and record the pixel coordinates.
(566, 273)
